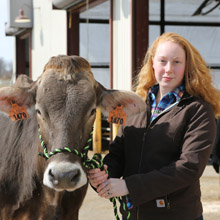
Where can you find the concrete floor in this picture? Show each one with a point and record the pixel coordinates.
(210, 187)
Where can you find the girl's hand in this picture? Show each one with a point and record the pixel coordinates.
(96, 176)
(112, 188)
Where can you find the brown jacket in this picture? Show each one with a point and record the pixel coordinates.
(162, 161)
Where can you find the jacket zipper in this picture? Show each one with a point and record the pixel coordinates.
(139, 167)
(142, 149)
(168, 202)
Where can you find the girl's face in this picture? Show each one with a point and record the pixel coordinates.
(169, 65)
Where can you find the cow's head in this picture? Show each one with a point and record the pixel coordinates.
(64, 100)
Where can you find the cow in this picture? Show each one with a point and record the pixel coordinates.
(60, 107)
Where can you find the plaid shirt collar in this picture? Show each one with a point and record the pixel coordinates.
(168, 100)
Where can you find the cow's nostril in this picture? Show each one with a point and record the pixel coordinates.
(52, 177)
(75, 175)
(51, 173)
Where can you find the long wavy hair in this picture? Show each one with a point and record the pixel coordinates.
(198, 79)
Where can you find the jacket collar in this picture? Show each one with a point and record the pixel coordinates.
(175, 109)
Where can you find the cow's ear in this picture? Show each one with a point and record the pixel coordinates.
(23, 97)
(108, 100)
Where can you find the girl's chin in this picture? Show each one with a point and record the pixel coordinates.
(167, 86)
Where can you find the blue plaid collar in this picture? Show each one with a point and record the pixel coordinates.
(177, 93)
(167, 100)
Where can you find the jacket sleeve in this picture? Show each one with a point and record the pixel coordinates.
(197, 143)
(215, 155)
(115, 158)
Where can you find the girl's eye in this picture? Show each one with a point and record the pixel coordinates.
(93, 111)
(162, 61)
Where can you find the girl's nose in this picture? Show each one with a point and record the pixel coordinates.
(169, 67)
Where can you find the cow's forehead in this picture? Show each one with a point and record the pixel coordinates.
(55, 88)
(55, 80)
(71, 77)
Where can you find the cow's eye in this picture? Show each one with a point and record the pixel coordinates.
(93, 111)
(38, 111)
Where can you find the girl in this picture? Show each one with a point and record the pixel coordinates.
(157, 158)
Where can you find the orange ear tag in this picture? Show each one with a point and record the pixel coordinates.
(117, 116)
(17, 112)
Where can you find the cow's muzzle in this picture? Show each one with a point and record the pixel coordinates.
(62, 176)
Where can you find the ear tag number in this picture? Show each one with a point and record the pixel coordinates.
(117, 116)
(17, 112)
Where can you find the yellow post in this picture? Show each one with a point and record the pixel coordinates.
(97, 134)
(114, 130)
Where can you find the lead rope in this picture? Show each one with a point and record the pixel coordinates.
(95, 162)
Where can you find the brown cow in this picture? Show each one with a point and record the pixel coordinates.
(62, 102)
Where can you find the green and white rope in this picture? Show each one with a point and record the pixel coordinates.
(95, 162)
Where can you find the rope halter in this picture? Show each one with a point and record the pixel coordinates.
(95, 162)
